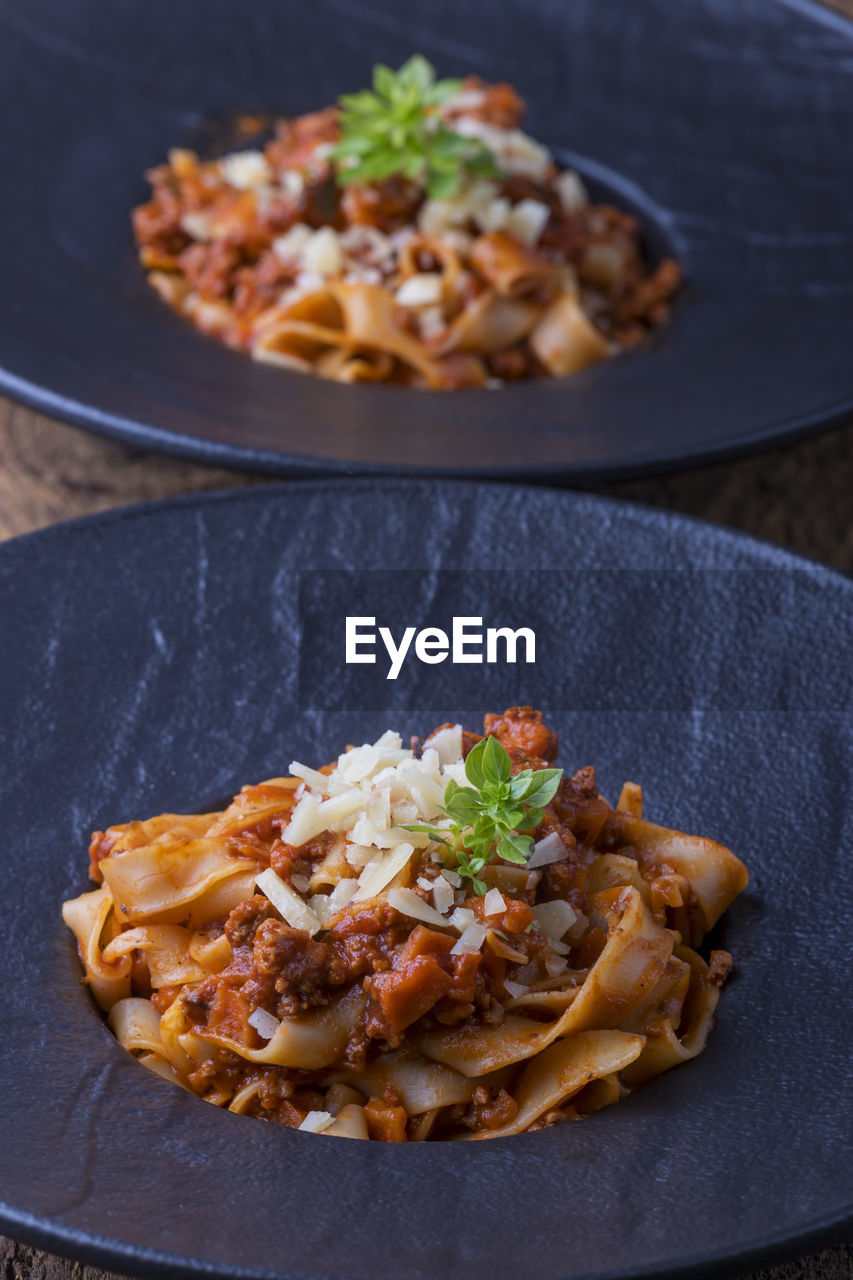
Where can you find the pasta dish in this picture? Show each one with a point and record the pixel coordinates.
(412, 233)
(451, 940)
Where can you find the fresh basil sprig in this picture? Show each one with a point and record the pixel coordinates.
(395, 129)
(491, 815)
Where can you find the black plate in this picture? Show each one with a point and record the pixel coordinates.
(725, 125)
(150, 662)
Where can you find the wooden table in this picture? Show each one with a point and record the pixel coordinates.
(799, 496)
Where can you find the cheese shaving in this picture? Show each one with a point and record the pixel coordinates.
(376, 790)
(442, 895)
(376, 875)
(554, 918)
(494, 903)
(462, 917)
(447, 744)
(549, 849)
(407, 902)
(290, 906)
(317, 1121)
(471, 940)
(264, 1023)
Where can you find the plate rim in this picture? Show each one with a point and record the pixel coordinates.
(68, 412)
(101, 1251)
(281, 486)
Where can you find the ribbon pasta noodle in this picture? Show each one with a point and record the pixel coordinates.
(325, 955)
(513, 274)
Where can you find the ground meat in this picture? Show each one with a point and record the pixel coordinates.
(425, 976)
(566, 879)
(580, 810)
(522, 733)
(719, 967)
(209, 268)
(387, 205)
(517, 186)
(500, 104)
(490, 1109)
(509, 364)
(303, 970)
(296, 140)
(158, 223)
(242, 924)
(386, 1121)
(368, 937)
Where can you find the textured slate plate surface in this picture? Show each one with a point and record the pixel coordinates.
(724, 123)
(150, 663)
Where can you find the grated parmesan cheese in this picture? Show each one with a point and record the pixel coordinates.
(290, 906)
(264, 1023)
(573, 194)
(431, 323)
(554, 918)
(376, 875)
(245, 169)
(326, 905)
(547, 850)
(442, 895)
(462, 918)
(317, 1121)
(471, 940)
(447, 744)
(579, 927)
(526, 220)
(292, 183)
(197, 225)
(408, 903)
(515, 151)
(371, 796)
(472, 198)
(494, 903)
(420, 290)
(322, 254)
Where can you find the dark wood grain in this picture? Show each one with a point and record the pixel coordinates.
(798, 496)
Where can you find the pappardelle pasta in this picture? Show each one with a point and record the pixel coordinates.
(452, 940)
(410, 234)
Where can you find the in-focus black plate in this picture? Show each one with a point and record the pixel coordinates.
(150, 663)
(725, 124)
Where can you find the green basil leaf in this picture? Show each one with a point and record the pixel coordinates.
(473, 764)
(509, 819)
(462, 803)
(384, 80)
(547, 781)
(441, 186)
(531, 819)
(515, 848)
(495, 763)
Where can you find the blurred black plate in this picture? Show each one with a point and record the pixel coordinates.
(725, 125)
(150, 663)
